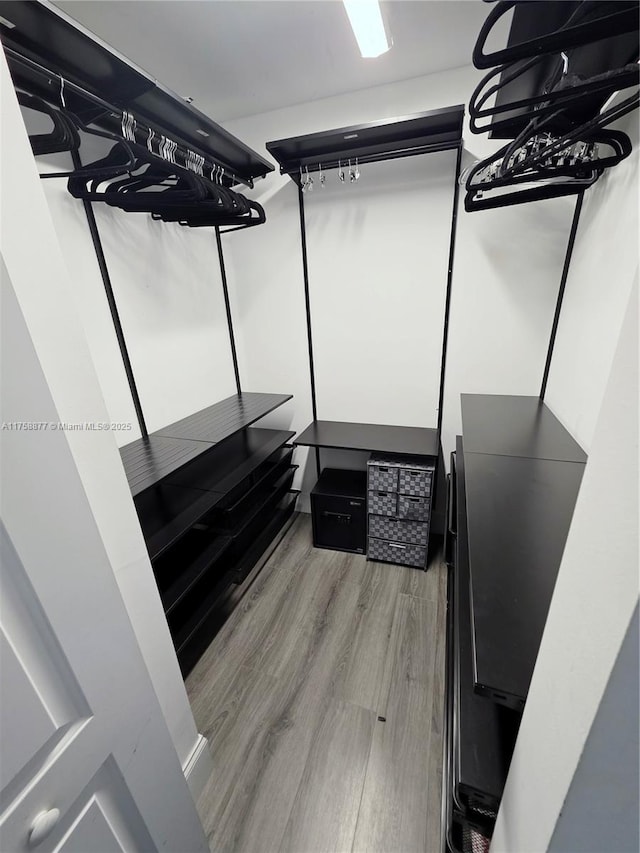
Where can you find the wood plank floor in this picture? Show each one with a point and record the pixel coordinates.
(322, 699)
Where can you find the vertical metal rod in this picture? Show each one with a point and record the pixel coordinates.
(106, 280)
(447, 303)
(227, 304)
(563, 282)
(305, 271)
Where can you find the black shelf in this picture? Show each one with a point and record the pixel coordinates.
(485, 732)
(372, 438)
(47, 37)
(516, 426)
(276, 519)
(169, 509)
(149, 460)
(422, 133)
(195, 571)
(223, 419)
(518, 511)
(223, 468)
(196, 632)
(167, 512)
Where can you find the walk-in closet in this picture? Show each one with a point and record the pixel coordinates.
(319, 440)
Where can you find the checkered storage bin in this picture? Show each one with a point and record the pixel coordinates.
(398, 508)
(397, 552)
(415, 481)
(382, 503)
(413, 508)
(381, 476)
(413, 532)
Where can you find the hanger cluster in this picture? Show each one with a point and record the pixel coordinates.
(563, 146)
(307, 182)
(144, 172)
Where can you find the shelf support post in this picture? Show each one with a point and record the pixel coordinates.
(113, 308)
(305, 272)
(227, 304)
(447, 302)
(563, 282)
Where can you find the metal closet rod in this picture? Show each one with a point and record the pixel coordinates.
(312, 164)
(117, 112)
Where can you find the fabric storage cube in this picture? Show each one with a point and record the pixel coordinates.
(416, 509)
(397, 552)
(415, 481)
(381, 476)
(382, 503)
(413, 532)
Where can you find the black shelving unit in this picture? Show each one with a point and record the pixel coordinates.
(209, 503)
(387, 139)
(515, 477)
(44, 46)
(405, 136)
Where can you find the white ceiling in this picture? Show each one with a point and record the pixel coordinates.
(241, 57)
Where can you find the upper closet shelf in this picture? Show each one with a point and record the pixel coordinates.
(44, 47)
(422, 133)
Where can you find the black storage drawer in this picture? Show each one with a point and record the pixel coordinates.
(339, 510)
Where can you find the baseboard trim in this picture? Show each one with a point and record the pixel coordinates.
(198, 767)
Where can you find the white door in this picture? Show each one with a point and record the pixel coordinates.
(87, 764)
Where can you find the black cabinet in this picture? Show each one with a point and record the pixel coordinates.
(338, 510)
(511, 498)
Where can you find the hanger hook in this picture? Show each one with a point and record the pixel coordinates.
(565, 63)
(62, 98)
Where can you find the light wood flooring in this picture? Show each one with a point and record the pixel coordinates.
(322, 699)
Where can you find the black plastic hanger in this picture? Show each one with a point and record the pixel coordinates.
(576, 96)
(591, 21)
(63, 137)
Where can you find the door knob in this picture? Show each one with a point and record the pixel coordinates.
(42, 826)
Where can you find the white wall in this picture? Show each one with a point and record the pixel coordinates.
(593, 603)
(378, 252)
(168, 290)
(46, 289)
(603, 265)
(506, 274)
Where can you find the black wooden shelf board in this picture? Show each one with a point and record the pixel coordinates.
(50, 38)
(436, 130)
(207, 606)
(227, 465)
(277, 490)
(166, 512)
(373, 438)
(486, 732)
(277, 518)
(192, 574)
(148, 460)
(518, 514)
(223, 419)
(516, 426)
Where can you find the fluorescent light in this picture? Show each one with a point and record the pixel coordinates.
(366, 22)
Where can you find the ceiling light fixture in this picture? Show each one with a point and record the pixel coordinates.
(366, 22)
